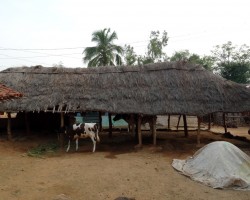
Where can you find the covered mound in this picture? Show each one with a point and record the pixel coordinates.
(218, 165)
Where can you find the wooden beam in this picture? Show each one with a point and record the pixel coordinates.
(154, 129)
(224, 122)
(178, 122)
(185, 125)
(9, 133)
(136, 127)
(100, 121)
(27, 124)
(168, 122)
(132, 117)
(209, 122)
(110, 126)
(139, 131)
(62, 125)
(62, 119)
(198, 130)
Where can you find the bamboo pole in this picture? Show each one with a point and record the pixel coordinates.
(9, 133)
(139, 131)
(110, 126)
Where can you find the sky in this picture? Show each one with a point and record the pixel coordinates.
(49, 32)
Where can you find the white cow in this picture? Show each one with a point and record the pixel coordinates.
(83, 130)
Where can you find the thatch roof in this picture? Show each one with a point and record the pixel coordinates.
(7, 93)
(162, 88)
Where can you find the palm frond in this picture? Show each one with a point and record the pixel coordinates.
(105, 52)
(89, 52)
(112, 37)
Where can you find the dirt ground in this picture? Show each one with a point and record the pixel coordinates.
(116, 169)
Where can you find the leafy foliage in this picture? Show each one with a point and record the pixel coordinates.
(180, 56)
(130, 56)
(105, 52)
(235, 71)
(232, 62)
(206, 61)
(155, 49)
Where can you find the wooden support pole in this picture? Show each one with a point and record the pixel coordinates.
(136, 127)
(185, 125)
(9, 133)
(178, 122)
(224, 122)
(154, 129)
(100, 121)
(27, 124)
(62, 132)
(62, 120)
(139, 131)
(168, 122)
(209, 122)
(110, 126)
(198, 130)
(132, 117)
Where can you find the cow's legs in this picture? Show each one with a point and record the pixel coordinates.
(94, 143)
(68, 146)
(76, 144)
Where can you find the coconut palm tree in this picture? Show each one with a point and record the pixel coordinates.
(105, 52)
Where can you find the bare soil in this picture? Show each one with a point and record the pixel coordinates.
(116, 169)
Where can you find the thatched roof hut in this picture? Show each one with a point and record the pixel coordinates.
(8, 94)
(162, 88)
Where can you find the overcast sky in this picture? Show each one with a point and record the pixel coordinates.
(30, 28)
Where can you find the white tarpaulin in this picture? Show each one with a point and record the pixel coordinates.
(218, 165)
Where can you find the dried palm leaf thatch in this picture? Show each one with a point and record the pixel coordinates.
(161, 88)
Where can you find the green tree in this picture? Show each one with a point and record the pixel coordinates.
(180, 56)
(232, 62)
(130, 56)
(237, 72)
(206, 61)
(105, 52)
(155, 48)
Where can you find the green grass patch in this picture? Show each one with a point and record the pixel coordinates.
(43, 150)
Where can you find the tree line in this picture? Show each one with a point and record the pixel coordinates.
(228, 60)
